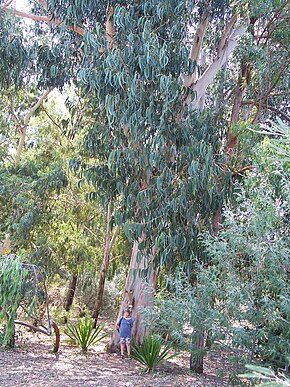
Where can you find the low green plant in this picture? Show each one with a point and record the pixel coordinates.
(84, 334)
(152, 352)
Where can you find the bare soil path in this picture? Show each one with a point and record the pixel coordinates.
(32, 364)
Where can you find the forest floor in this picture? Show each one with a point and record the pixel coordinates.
(32, 364)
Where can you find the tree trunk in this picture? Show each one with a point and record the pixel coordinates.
(137, 295)
(6, 246)
(105, 264)
(196, 357)
(71, 292)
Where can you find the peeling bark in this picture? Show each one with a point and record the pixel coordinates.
(196, 49)
(138, 294)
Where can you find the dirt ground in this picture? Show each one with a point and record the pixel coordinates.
(32, 364)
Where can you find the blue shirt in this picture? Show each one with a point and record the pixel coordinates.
(126, 325)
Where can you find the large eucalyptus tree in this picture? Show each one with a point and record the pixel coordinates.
(161, 95)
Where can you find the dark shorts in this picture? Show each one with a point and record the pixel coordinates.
(125, 340)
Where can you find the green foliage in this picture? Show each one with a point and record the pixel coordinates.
(84, 334)
(269, 377)
(240, 296)
(12, 279)
(281, 143)
(13, 53)
(152, 352)
(167, 164)
(24, 192)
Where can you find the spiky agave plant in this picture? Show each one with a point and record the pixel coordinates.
(84, 334)
(152, 352)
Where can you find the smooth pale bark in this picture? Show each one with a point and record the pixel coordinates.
(208, 76)
(105, 263)
(199, 86)
(138, 294)
(229, 41)
(196, 50)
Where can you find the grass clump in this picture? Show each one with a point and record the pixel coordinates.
(84, 334)
(152, 352)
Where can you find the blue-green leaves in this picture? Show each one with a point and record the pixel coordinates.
(14, 56)
(156, 157)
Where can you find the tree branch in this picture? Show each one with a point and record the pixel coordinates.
(28, 15)
(196, 49)
(114, 236)
(7, 4)
(265, 106)
(228, 43)
(57, 125)
(272, 20)
(277, 78)
(116, 257)
(26, 123)
(226, 34)
(46, 19)
(38, 103)
(241, 170)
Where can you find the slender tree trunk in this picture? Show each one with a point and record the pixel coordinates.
(137, 295)
(105, 264)
(71, 292)
(196, 357)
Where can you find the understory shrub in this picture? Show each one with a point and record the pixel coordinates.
(239, 298)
